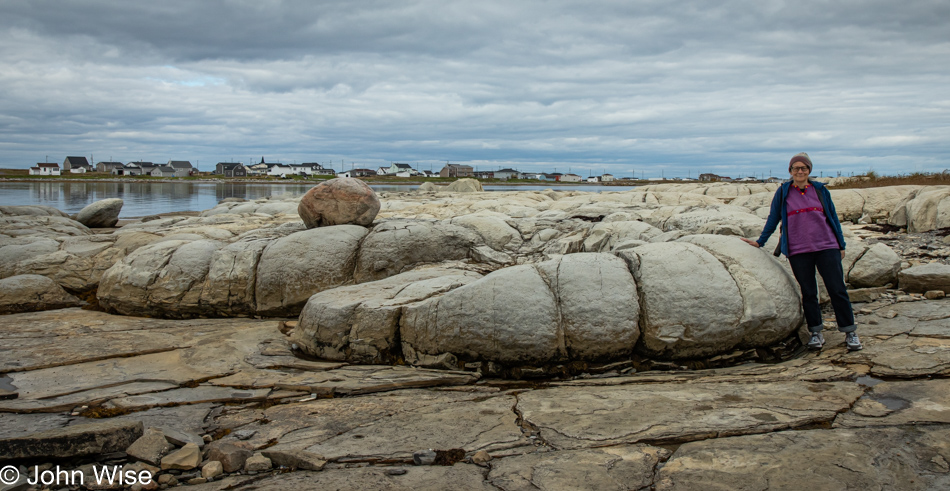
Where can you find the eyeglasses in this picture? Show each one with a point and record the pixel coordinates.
(799, 169)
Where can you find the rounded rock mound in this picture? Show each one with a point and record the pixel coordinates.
(101, 214)
(340, 201)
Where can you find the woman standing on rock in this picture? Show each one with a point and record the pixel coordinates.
(812, 239)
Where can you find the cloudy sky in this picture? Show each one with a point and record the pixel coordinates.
(652, 87)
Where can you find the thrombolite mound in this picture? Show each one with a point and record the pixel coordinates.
(101, 214)
(700, 297)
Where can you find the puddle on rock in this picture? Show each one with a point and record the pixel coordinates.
(892, 403)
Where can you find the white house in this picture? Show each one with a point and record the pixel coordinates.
(163, 171)
(280, 170)
(45, 170)
(382, 171)
(607, 178)
(593, 179)
(571, 178)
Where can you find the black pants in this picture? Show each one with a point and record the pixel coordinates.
(828, 264)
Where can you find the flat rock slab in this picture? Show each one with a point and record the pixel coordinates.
(578, 417)
(801, 369)
(348, 380)
(424, 478)
(930, 318)
(386, 426)
(73, 441)
(196, 395)
(906, 458)
(619, 467)
(907, 357)
(900, 403)
(68, 336)
(15, 425)
(68, 401)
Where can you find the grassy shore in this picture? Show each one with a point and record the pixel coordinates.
(873, 180)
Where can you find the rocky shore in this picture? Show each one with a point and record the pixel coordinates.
(468, 340)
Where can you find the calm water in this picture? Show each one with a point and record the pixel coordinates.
(149, 198)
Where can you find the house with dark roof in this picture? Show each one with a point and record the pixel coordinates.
(506, 174)
(108, 167)
(73, 162)
(230, 169)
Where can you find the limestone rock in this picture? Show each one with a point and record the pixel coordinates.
(395, 247)
(428, 187)
(295, 267)
(185, 458)
(73, 441)
(620, 467)
(150, 447)
(101, 214)
(212, 470)
(465, 186)
(513, 315)
(231, 456)
(359, 323)
(926, 277)
(923, 209)
(878, 266)
(31, 210)
(31, 293)
(296, 459)
(340, 201)
(257, 463)
(898, 458)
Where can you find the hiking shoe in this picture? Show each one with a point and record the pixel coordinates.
(852, 342)
(817, 340)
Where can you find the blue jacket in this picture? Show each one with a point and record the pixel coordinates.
(778, 213)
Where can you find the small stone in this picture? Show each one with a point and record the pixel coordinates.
(167, 479)
(424, 457)
(296, 459)
(207, 438)
(197, 480)
(185, 458)
(212, 470)
(934, 295)
(395, 472)
(258, 463)
(244, 434)
(181, 438)
(150, 447)
(890, 314)
(481, 457)
(231, 456)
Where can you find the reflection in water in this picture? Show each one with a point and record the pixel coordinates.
(149, 198)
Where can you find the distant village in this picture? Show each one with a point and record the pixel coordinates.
(184, 168)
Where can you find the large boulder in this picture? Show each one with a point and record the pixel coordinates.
(359, 323)
(396, 246)
(101, 214)
(295, 267)
(878, 266)
(340, 201)
(706, 295)
(31, 293)
(465, 186)
(582, 306)
(926, 277)
(923, 210)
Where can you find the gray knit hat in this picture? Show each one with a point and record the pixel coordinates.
(800, 157)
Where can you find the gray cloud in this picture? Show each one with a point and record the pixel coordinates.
(666, 87)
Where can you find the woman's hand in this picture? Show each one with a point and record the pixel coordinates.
(842, 254)
(756, 244)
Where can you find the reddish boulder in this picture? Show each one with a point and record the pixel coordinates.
(339, 201)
